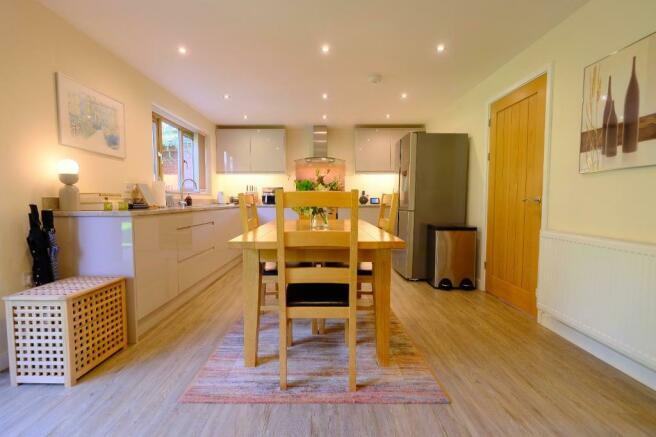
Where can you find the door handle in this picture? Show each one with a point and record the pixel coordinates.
(532, 199)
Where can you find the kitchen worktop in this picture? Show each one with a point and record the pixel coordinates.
(142, 212)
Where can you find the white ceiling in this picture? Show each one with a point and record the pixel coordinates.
(266, 54)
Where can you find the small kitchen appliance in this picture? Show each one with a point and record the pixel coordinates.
(269, 195)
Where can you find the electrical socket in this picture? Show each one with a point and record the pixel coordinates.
(27, 279)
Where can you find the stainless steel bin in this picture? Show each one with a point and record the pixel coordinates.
(452, 257)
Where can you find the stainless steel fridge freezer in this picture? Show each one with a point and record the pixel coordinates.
(432, 187)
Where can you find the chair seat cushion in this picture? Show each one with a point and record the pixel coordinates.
(317, 295)
(270, 268)
(365, 269)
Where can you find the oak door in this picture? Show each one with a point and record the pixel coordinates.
(515, 195)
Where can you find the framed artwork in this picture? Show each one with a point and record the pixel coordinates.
(618, 118)
(89, 120)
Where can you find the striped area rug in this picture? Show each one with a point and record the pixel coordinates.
(317, 369)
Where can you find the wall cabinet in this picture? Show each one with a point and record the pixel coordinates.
(233, 150)
(250, 150)
(268, 151)
(376, 150)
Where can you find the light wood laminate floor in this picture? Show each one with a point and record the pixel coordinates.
(506, 375)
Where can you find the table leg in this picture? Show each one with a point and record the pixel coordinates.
(251, 284)
(382, 280)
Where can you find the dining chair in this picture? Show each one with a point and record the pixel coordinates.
(268, 270)
(315, 291)
(387, 215)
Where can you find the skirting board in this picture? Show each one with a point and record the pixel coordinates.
(635, 370)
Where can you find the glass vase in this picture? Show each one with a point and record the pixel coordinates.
(318, 219)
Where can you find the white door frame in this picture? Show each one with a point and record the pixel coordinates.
(546, 164)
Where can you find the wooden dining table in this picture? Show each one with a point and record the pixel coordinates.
(259, 245)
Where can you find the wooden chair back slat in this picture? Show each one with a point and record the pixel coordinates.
(326, 199)
(388, 212)
(313, 275)
(325, 239)
(248, 211)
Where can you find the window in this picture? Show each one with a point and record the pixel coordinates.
(178, 155)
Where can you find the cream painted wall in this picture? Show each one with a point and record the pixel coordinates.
(299, 144)
(35, 44)
(616, 204)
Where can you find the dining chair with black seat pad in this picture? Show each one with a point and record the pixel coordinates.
(387, 215)
(316, 291)
(268, 270)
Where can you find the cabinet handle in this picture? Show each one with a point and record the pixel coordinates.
(195, 226)
(532, 199)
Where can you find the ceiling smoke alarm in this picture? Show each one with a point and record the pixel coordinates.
(375, 78)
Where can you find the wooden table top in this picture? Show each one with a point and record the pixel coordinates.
(265, 236)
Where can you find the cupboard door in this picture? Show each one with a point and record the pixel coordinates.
(233, 148)
(372, 150)
(268, 151)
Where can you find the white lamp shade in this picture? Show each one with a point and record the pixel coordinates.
(68, 166)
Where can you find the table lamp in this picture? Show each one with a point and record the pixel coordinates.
(69, 195)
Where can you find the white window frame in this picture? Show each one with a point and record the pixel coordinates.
(203, 180)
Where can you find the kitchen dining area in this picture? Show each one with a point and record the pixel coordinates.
(342, 218)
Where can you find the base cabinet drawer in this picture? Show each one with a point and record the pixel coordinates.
(194, 239)
(195, 269)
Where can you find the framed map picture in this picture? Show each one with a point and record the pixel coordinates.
(618, 119)
(89, 120)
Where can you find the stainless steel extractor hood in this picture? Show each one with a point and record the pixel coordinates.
(319, 151)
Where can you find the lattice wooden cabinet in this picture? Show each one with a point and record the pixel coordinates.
(59, 331)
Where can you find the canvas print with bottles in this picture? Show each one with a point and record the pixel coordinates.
(618, 120)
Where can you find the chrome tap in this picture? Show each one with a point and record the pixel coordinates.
(182, 202)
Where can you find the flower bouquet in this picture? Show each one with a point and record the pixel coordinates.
(318, 215)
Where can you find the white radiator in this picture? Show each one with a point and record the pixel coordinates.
(604, 288)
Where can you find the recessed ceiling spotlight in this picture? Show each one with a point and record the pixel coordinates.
(324, 116)
(324, 96)
(245, 117)
(226, 96)
(182, 50)
(440, 48)
(325, 49)
(404, 95)
(387, 116)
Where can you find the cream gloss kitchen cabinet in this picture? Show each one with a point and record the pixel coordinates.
(268, 151)
(368, 213)
(250, 150)
(167, 255)
(375, 148)
(233, 150)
